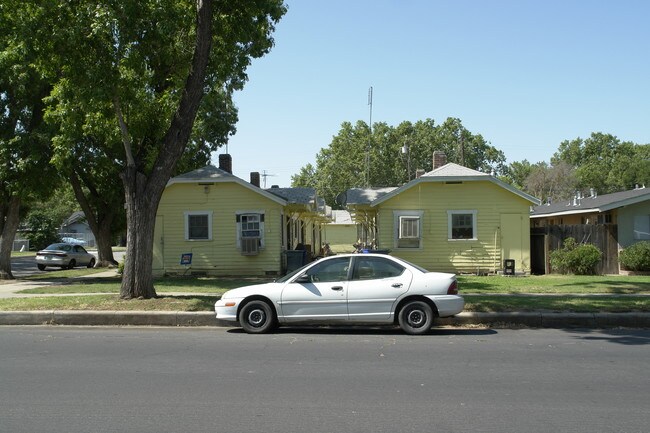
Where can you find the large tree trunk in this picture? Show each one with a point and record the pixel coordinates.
(9, 219)
(100, 222)
(143, 192)
(141, 207)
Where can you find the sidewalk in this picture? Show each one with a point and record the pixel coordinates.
(537, 319)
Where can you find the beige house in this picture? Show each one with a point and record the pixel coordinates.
(210, 221)
(451, 219)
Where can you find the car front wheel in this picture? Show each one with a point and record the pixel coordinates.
(257, 317)
(91, 263)
(416, 318)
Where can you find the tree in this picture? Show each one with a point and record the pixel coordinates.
(358, 158)
(24, 136)
(605, 163)
(551, 182)
(141, 72)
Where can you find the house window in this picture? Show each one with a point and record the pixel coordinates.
(250, 227)
(409, 225)
(642, 227)
(461, 225)
(198, 226)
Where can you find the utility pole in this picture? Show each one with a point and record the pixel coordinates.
(369, 140)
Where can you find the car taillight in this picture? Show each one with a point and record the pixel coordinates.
(453, 288)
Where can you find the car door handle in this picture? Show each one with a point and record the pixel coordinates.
(397, 285)
(337, 288)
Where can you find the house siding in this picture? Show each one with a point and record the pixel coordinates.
(437, 252)
(220, 255)
(626, 217)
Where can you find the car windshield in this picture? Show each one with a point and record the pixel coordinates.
(291, 274)
(58, 247)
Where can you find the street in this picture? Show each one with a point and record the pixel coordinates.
(68, 379)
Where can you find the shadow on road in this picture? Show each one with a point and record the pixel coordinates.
(628, 337)
(353, 330)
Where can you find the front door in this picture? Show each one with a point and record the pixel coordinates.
(322, 297)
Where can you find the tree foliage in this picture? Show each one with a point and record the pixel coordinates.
(389, 156)
(605, 163)
(24, 136)
(142, 89)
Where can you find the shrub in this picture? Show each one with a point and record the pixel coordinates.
(636, 257)
(43, 231)
(574, 258)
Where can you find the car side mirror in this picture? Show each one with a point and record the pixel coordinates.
(304, 278)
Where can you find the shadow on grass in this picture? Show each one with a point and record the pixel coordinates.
(192, 302)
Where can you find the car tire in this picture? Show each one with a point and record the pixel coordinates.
(72, 264)
(257, 317)
(40, 267)
(91, 263)
(416, 318)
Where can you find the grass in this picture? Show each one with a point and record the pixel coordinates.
(578, 304)
(110, 302)
(207, 285)
(580, 284)
(535, 293)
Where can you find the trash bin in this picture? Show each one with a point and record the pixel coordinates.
(508, 267)
(295, 259)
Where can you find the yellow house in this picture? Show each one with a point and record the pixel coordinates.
(210, 221)
(451, 219)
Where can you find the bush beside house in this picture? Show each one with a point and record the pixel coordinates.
(636, 257)
(574, 258)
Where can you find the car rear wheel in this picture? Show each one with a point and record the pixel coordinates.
(72, 264)
(257, 317)
(91, 263)
(416, 318)
(40, 267)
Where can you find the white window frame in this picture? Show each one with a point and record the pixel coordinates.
(450, 217)
(261, 216)
(186, 219)
(398, 217)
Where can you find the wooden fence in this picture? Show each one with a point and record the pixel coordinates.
(550, 238)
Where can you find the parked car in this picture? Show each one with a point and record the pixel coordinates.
(64, 255)
(348, 288)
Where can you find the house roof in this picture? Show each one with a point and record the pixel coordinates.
(447, 173)
(74, 217)
(596, 203)
(211, 175)
(362, 195)
(295, 195)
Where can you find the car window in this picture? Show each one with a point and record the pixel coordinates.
(372, 268)
(330, 270)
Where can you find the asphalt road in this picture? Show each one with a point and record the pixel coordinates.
(59, 379)
(24, 266)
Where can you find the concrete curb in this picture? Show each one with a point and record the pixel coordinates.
(206, 318)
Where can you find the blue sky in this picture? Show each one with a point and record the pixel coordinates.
(524, 74)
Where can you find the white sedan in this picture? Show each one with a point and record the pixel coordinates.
(348, 288)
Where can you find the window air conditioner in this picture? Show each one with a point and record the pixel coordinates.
(250, 246)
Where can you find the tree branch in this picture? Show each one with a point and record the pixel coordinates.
(130, 161)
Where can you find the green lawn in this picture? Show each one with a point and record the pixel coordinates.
(580, 284)
(536, 293)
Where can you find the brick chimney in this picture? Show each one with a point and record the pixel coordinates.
(419, 172)
(225, 162)
(255, 178)
(439, 159)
